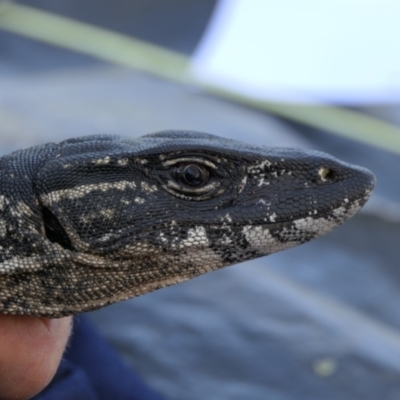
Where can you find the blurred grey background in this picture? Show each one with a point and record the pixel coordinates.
(320, 321)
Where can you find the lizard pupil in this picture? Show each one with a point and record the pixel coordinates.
(194, 175)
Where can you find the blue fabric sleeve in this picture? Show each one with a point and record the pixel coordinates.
(91, 370)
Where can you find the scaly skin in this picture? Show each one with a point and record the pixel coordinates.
(99, 219)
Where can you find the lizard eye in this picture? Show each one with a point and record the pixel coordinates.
(192, 178)
(193, 175)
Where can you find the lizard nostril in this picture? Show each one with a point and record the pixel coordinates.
(327, 174)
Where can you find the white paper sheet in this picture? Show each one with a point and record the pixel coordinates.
(340, 51)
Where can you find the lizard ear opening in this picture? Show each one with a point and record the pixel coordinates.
(54, 230)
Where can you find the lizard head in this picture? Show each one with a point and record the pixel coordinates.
(125, 217)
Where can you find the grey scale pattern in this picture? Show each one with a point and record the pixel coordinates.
(99, 219)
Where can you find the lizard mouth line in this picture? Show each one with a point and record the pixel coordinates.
(58, 232)
(111, 243)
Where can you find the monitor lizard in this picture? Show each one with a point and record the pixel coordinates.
(95, 220)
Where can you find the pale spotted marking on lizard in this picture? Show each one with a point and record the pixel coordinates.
(95, 220)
